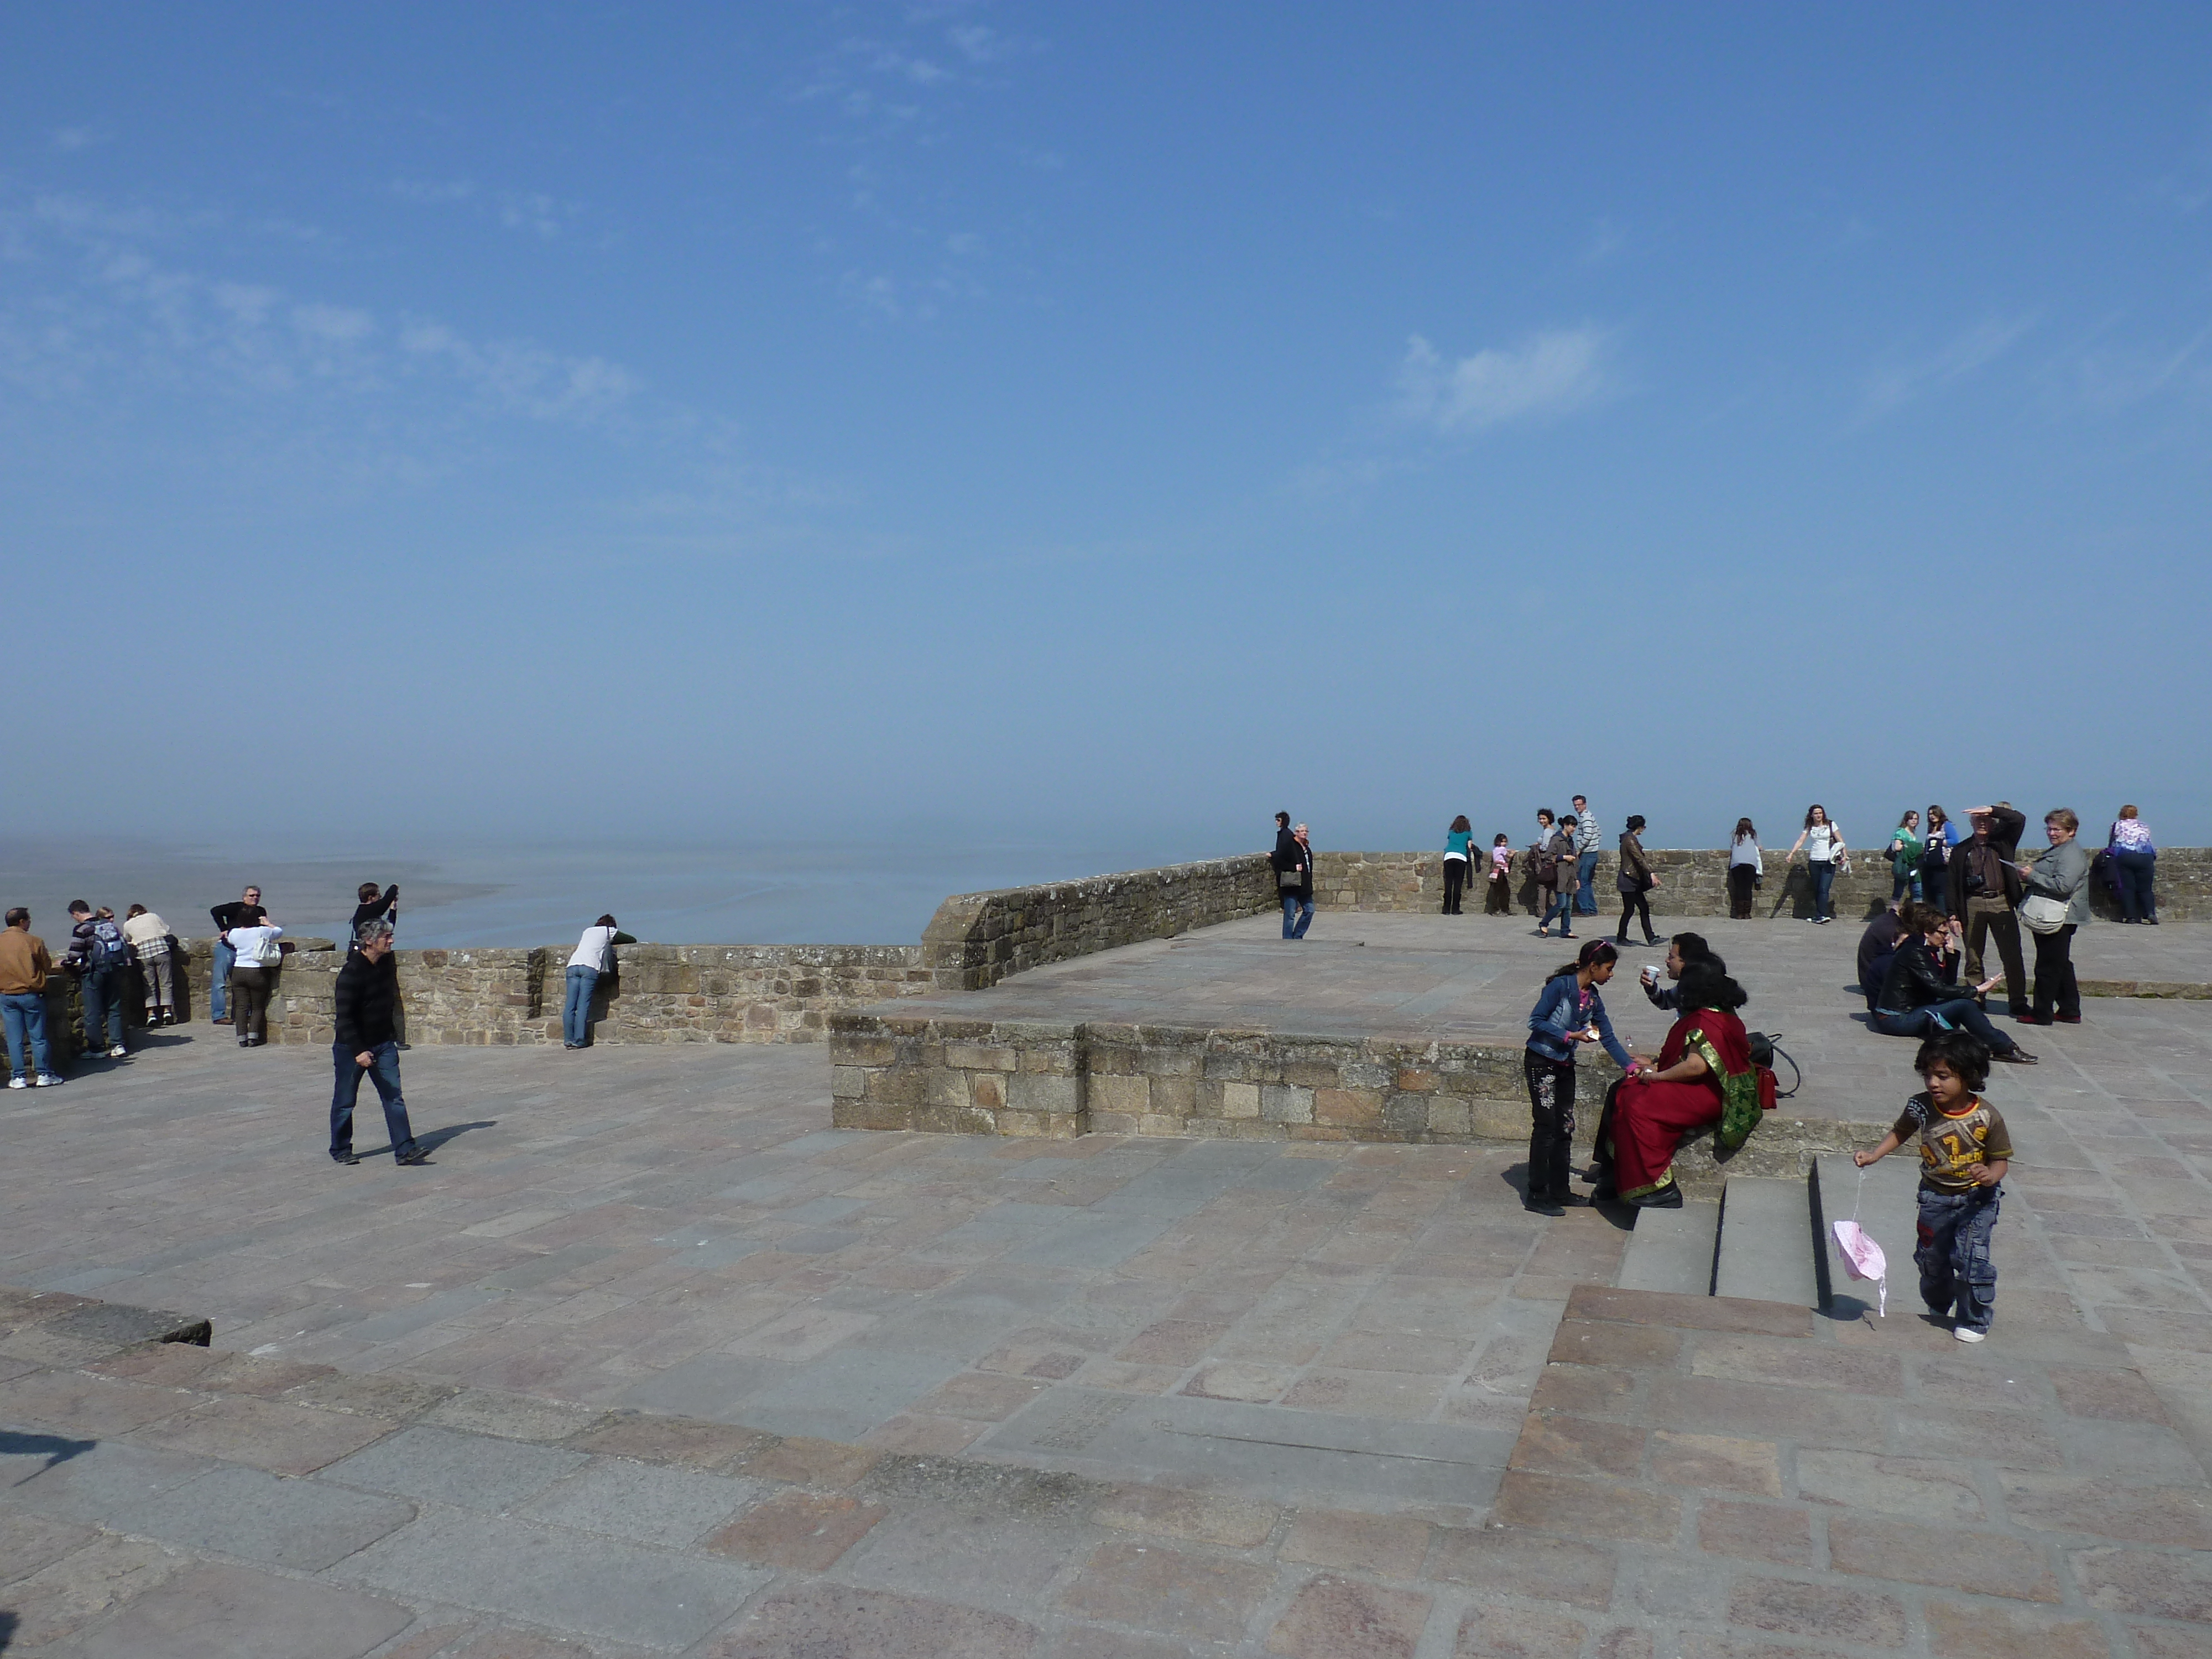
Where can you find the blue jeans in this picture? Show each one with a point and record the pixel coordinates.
(1900, 885)
(1936, 1016)
(25, 1014)
(1297, 916)
(1824, 877)
(576, 1012)
(2136, 871)
(102, 990)
(1953, 1254)
(1563, 902)
(225, 960)
(1585, 895)
(383, 1071)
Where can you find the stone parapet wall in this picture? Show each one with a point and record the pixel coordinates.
(733, 993)
(976, 939)
(1032, 1078)
(661, 994)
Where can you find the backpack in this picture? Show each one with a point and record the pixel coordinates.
(109, 948)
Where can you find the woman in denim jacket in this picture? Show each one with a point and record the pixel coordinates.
(1569, 1014)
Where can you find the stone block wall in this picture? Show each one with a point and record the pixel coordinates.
(976, 939)
(732, 993)
(889, 1070)
(662, 993)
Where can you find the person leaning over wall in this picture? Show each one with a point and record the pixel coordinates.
(245, 912)
(1458, 859)
(149, 938)
(99, 957)
(594, 955)
(1747, 869)
(2135, 862)
(253, 979)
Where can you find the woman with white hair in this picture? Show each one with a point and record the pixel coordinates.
(2057, 903)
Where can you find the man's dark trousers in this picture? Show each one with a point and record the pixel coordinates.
(1985, 916)
(102, 991)
(384, 1072)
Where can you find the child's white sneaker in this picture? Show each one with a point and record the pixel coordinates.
(1965, 1334)
(18, 1083)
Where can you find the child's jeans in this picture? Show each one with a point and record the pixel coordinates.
(1954, 1256)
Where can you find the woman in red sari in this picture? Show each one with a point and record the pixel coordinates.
(1704, 1064)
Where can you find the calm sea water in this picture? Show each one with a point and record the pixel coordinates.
(739, 895)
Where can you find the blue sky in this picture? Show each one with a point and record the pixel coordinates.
(952, 422)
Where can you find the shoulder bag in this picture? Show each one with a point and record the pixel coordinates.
(2044, 913)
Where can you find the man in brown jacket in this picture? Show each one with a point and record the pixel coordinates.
(24, 965)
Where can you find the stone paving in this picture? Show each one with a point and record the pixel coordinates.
(1288, 1387)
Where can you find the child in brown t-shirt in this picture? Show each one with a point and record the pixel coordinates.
(1965, 1151)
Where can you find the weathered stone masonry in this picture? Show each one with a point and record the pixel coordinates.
(1039, 1078)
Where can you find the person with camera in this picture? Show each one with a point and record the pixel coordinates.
(1986, 889)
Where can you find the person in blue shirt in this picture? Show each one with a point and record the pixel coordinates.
(1457, 855)
(1568, 1014)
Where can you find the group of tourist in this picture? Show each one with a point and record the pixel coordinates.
(1710, 1073)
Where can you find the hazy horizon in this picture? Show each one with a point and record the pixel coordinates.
(956, 424)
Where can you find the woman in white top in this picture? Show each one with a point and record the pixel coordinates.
(252, 977)
(150, 937)
(1746, 867)
(594, 955)
(1824, 850)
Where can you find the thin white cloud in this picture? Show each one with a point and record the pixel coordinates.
(433, 190)
(535, 211)
(2112, 379)
(1895, 382)
(1550, 373)
(67, 139)
(1606, 239)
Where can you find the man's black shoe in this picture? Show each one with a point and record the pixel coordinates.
(418, 1156)
(346, 1157)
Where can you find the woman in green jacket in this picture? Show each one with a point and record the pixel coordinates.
(1904, 849)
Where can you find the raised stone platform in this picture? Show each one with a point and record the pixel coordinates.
(1375, 1028)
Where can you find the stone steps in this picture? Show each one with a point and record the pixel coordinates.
(1763, 1240)
(1673, 1249)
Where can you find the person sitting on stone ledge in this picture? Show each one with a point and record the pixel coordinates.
(1705, 1068)
(1681, 951)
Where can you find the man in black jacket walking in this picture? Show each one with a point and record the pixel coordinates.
(1986, 890)
(366, 993)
